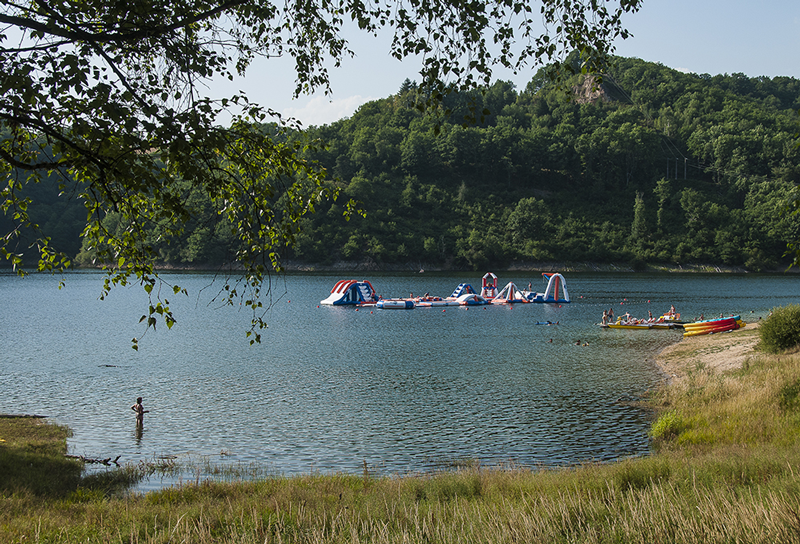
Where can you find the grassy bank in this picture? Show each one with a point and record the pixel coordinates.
(725, 468)
(32, 457)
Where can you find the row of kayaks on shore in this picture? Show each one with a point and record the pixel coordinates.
(710, 326)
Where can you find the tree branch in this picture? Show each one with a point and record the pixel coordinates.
(78, 34)
(26, 166)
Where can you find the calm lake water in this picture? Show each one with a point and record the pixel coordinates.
(330, 388)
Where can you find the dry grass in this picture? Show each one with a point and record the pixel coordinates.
(752, 405)
(590, 504)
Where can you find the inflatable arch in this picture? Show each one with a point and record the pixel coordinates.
(489, 286)
(555, 283)
(351, 292)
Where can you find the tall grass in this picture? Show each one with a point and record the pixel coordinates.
(726, 469)
(589, 504)
(755, 405)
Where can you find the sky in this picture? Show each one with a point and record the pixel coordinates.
(700, 36)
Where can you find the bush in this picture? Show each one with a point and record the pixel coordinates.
(781, 330)
(668, 425)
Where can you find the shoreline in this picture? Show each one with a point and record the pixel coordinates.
(722, 352)
(291, 266)
(530, 266)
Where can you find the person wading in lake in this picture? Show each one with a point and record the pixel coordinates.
(140, 411)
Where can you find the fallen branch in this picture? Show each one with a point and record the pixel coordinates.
(107, 462)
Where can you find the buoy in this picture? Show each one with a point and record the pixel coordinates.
(356, 309)
(444, 311)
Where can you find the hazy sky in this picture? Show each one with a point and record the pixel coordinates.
(701, 36)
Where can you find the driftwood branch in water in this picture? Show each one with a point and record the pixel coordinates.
(107, 462)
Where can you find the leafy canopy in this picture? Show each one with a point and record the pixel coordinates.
(108, 95)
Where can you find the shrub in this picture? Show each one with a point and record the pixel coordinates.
(781, 330)
(667, 426)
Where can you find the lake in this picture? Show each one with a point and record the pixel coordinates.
(332, 388)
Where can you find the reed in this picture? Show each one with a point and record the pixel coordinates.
(725, 468)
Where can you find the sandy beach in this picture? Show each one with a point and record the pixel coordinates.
(718, 352)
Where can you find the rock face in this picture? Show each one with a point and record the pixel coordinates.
(590, 91)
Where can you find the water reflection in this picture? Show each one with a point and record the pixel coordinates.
(139, 432)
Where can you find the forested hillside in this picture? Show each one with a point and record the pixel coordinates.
(654, 166)
(650, 166)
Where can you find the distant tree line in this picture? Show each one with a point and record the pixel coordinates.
(646, 165)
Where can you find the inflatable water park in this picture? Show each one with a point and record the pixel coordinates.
(361, 293)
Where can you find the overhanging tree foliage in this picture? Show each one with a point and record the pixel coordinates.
(108, 95)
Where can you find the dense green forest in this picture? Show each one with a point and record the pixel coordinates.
(651, 165)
